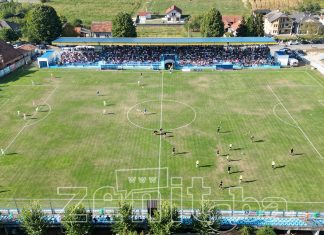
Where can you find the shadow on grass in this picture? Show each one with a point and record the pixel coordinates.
(207, 165)
(234, 160)
(235, 172)
(16, 75)
(182, 153)
(225, 132)
(259, 141)
(238, 149)
(298, 154)
(4, 191)
(248, 181)
(12, 153)
(230, 186)
(280, 166)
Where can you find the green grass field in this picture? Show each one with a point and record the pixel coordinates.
(196, 7)
(165, 31)
(70, 143)
(106, 9)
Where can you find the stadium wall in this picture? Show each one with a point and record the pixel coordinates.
(14, 66)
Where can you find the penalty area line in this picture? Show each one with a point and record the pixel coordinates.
(27, 123)
(296, 123)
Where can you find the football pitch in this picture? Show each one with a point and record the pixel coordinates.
(73, 148)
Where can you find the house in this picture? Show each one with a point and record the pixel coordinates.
(101, 29)
(9, 25)
(82, 32)
(28, 50)
(299, 18)
(173, 14)
(277, 22)
(231, 23)
(8, 55)
(143, 16)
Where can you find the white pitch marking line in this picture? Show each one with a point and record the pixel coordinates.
(296, 123)
(321, 102)
(26, 124)
(161, 122)
(321, 85)
(275, 113)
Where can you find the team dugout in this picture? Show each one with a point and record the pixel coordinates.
(164, 53)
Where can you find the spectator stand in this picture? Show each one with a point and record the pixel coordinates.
(165, 53)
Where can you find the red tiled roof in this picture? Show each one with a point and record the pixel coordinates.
(27, 47)
(9, 54)
(173, 7)
(143, 13)
(101, 27)
(231, 21)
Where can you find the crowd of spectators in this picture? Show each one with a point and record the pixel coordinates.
(187, 55)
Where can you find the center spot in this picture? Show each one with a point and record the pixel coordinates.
(175, 115)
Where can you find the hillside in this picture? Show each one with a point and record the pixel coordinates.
(96, 10)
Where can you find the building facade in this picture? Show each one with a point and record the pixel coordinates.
(173, 14)
(101, 29)
(276, 23)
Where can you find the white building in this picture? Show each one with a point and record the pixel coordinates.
(173, 14)
(101, 29)
(143, 16)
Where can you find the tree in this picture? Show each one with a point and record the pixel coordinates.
(309, 7)
(165, 220)
(212, 24)
(33, 220)
(246, 230)
(63, 19)
(242, 30)
(265, 231)
(123, 221)
(76, 220)
(208, 220)
(194, 23)
(43, 24)
(123, 26)
(312, 28)
(77, 23)
(259, 25)
(250, 23)
(9, 35)
(68, 31)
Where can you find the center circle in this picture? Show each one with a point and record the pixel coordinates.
(175, 115)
